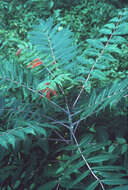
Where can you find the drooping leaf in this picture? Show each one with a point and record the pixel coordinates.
(93, 185)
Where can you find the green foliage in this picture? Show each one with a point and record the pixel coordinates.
(96, 154)
(16, 20)
(58, 142)
(85, 18)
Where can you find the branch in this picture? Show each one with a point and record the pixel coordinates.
(83, 157)
(36, 92)
(93, 66)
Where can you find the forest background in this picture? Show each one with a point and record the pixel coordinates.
(63, 95)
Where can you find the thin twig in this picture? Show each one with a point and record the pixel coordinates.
(71, 125)
(61, 136)
(57, 188)
(59, 140)
(76, 127)
(56, 122)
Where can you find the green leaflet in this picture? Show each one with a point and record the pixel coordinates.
(104, 39)
(122, 187)
(18, 182)
(115, 19)
(85, 140)
(95, 43)
(61, 169)
(81, 177)
(108, 168)
(29, 130)
(95, 147)
(98, 74)
(19, 133)
(101, 158)
(3, 142)
(113, 48)
(105, 31)
(47, 125)
(48, 186)
(39, 130)
(10, 139)
(122, 29)
(9, 188)
(34, 129)
(93, 185)
(117, 39)
(74, 168)
(91, 52)
(108, 57)
(110, 25)
(112, 175)
(115, 181)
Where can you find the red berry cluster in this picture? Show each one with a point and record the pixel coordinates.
(49, 92)
(36, 62)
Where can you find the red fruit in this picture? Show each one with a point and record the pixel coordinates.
(36, 62)
(18, 52)
(49, 92)
(48, 95)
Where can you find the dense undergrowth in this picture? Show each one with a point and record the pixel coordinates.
(63, 95)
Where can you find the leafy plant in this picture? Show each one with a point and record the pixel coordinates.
(85, 18)
(31, 119)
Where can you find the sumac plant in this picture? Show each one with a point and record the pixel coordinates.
(48, 102)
